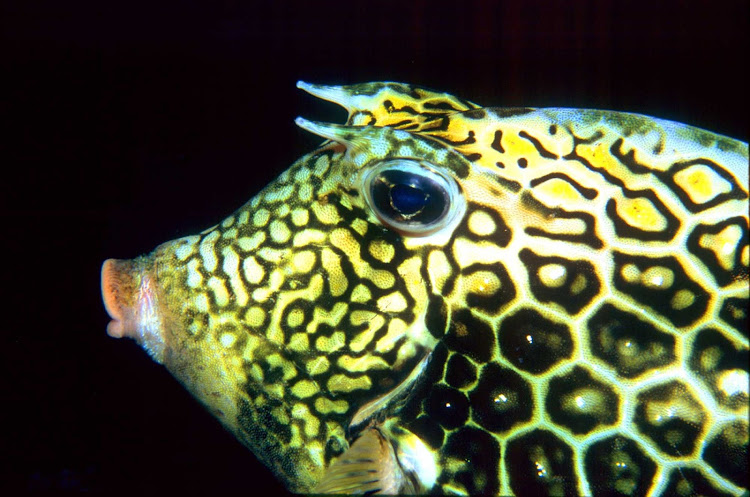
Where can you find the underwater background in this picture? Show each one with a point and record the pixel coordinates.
(126, 124)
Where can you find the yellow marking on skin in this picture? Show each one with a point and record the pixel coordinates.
(287, 367)
(302, 175)
(342, 383)
(244, 216)
(723, 245)
(466, 252)
(553, 275)
(304, 389)
(218, 287)
(326, 213)
(227, 339)
(299, 342)
(207, 251)
(279, 231)
(255, 317)
(481, 224)
(251, 243)
(578, 285)
(327, 406)
(557, 192)
(585, 401)
(331, 344)
(306, 193)
(657, 277)
(439, 269)
(381, 250)
(394, 302)
(261, 217)
(194, 278)
(361, 364)
(281, 194)
(272, 255)
(482, 283)
(187, 248)
(331, 262)
(201, 302)
(318, 365)
(682, 300)
(734, 382)
(254, 272)
(745, 255)
(230, 234)
(641, 214)
(295, 318)
(360, 226)
(231, 268)
(312, 424)
(256, 373)
(701, 183)
(309, 237)
(361, 294)
(396, 329)
(680, 404)
(362, 339)
(303, 261)
(300, 217)
(226, 223)
(630, 273)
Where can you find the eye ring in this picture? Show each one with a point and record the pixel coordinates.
(412, 197)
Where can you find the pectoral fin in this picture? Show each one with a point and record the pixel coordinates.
(369, 466)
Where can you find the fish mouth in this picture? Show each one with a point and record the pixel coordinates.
(117, 294)
(129, 294)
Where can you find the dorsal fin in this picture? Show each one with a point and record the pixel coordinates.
(396, 105)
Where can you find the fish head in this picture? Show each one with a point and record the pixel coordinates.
(309, 313)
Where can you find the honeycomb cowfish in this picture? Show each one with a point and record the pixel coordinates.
(447, 298)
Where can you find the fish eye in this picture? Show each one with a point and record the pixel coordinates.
(410, 196)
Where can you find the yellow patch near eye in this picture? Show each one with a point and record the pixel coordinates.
(641, 213)
(481, 223)
(701, 183)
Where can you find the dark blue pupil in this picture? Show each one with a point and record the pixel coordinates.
(408, 197)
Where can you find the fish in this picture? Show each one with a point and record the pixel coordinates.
(448, 298)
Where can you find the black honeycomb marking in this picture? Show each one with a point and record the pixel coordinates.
(578, 289)
(671, 417)
(502, 234)
(470, 335)
(727, 453)
(448, 406)
(532, 342)
(491, 303)
(539, 463)
(689, 482)
(587, 237)
(625, 230)
(722, 275)
(437, 315)
(630, 346)
(580, 402)
(501, 400)
(299, 309)
(587, 193)
(481, 452)
(713, 359)
(543, 152)
(414, 419)
(734, 312)
(460, 372)
(668, 177)
(683, 302)
(617, 466)
(428, 430)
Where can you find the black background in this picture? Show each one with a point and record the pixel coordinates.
(126, 124)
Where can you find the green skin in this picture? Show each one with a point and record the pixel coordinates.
(306, 318)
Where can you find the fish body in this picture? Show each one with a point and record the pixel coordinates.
(448, 298)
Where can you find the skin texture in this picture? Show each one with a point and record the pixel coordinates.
(574, 322)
